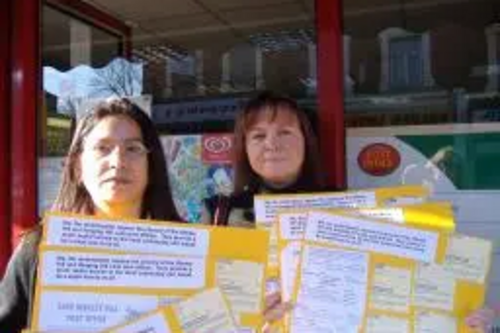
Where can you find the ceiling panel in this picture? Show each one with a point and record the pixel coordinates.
(234, 4)
(182, 25)
(222, 40)
(283, 12)
(141, 10)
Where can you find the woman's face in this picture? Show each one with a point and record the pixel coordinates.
(113, 165)
(276, 147)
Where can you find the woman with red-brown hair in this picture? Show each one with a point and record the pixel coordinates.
(275, 151)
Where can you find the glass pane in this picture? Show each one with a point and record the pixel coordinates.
(202, 62)
(70, 47)
(198, 63)
(424, 107)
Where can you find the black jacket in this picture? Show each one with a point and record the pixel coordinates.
(18, 285)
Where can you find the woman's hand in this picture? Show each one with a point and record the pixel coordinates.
(275, 310)
(481, 319)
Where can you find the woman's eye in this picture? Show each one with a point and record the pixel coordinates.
(258, 136)
(285, 132)
(102, 148)
(136, 149)
(133, 149)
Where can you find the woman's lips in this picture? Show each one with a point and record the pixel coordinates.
(117, 180)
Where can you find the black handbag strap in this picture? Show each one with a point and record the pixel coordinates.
(221, 214)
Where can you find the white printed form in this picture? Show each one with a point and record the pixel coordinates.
(291, 228)
(267, 207)
(332, 293)
(290, 257)
(241, 283)
(121, 270)
(154, 323)
(292, 225)
(391, 214)
(125, 236)
(430, 322)
(468, 258)
(391, 288)
(434, 287)
(62, 311)
(386, 324)
(367, 235)
(206, 312)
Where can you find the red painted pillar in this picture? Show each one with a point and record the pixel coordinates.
(5, 243)
(331, 90)
(24, 105)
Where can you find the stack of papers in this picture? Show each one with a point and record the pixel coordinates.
(374, 261)
(382, 260)
(143, 276)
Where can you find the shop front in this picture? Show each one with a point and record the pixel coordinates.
(400, 92)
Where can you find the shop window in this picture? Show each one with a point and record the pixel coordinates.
(493, 43)
(80, 61)
(181, 75)
(405, 61)
(348, 81)
(241, 68)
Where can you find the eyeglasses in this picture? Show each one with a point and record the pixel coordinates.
(132, 150)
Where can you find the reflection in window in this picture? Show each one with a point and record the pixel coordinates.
(405, 60)
(493, 44)
(71, 49)
(405, 63)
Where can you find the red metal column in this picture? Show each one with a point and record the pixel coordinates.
(5, 244)
(24, 101)
(330, 90)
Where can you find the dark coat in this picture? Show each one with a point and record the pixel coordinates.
(17, 288)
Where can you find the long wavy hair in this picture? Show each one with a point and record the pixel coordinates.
(157, 201)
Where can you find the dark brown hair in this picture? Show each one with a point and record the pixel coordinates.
(157, 202)
(311, 177)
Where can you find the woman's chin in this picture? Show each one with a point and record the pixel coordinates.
(118, 198)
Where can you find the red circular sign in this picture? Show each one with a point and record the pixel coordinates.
(379, 159)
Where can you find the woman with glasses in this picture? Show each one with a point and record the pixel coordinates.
(115, 168)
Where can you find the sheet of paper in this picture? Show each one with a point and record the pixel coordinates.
(431, 322)
(433, 215)
(167, 260)
(331, 295)
(118, 270)
(391, 288)
(290, 257)
(125, 236)
(154, 323)
(374, 236)
(205, 313)
(468, 258)
(403, 200)
(292, 225)
(434, 287)
(268, 206)
(392, 214)
(241, 282)
(386, 324)
(90, 312)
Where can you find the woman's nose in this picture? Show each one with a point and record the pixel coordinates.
(271, 141)
(117, 157)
